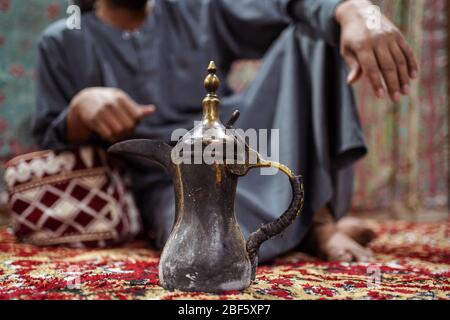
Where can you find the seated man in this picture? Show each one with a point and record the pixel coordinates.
(136, 69)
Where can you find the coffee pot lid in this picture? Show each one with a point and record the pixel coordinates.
(210, 131)
(211, 102)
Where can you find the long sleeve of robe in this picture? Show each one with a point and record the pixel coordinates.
(300, 89)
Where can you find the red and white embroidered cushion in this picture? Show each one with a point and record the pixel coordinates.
(77, 198)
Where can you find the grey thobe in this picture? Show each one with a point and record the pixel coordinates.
(300, 90)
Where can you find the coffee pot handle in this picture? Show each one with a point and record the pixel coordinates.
(274, 228)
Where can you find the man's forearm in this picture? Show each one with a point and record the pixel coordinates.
(319, 15)
(345, 10)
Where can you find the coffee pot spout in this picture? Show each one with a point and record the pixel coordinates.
(155, 151)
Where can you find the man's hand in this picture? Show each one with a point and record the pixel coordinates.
(107, 111)
(381, 54)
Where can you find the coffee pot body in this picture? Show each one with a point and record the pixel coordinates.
(206, 250)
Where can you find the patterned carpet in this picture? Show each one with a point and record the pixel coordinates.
(413, 262)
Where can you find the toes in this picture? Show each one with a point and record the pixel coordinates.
(342, 256)
(367, 236)
(360, 254)
(341, 247)
(357, 229)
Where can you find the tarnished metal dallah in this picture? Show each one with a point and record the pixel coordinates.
(206, 251)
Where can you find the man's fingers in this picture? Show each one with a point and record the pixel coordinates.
(129, 106)
(413, 67)
(105, 132)
(354, 69)
(146, 110)
(112, 121)
(389, 70)
(402, 67)
(122, 115)
(370, 69)
(134, 110)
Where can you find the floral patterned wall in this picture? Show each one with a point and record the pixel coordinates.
(21, 22)
(406, 168)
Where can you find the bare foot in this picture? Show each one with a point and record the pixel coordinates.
(357, 229)
(328, 242)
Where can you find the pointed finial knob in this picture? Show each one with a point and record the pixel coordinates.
(212, 82)
(212, 67)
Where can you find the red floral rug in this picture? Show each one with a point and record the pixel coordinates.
(413, 262)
